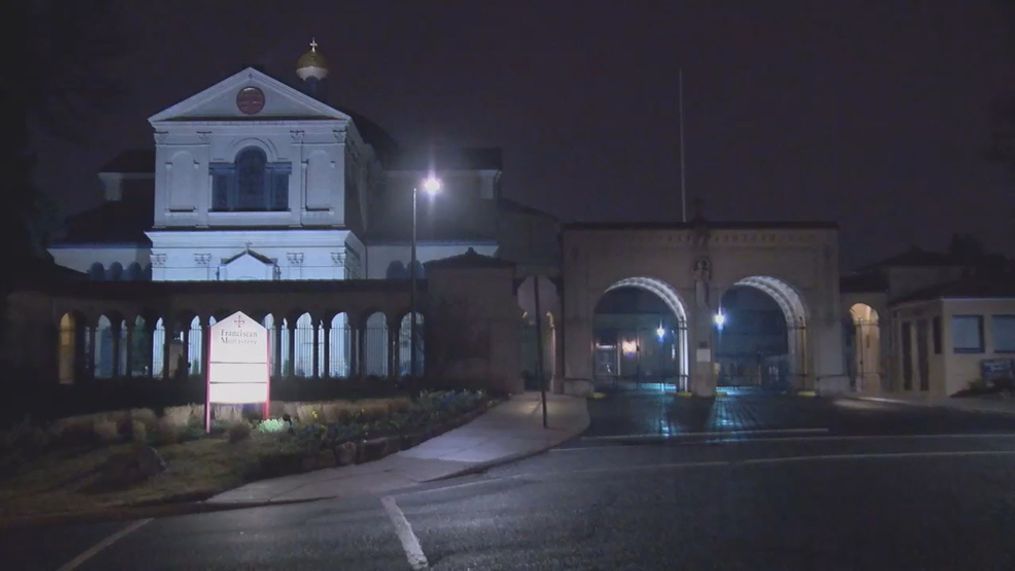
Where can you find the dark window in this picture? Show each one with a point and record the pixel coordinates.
(937, 335)
(907, 355)
(967, 333)
(1003, 331)
(250, 184)
(923, 362)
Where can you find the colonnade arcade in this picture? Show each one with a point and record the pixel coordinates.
(302, 344)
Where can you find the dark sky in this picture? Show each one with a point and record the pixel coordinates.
(873, 114)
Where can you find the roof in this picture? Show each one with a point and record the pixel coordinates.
(917, 257)
(863, 282)
(470, 259)
(33, 272)
(508, 204)
(448, 158)
(975, 287)
(709, 224)
(133, 161)
(121, 221)
(383, 143)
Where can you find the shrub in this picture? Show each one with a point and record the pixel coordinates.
(166, 432)
(26, 438)
(373, 409)
(106, 431)
(978, 386)
(239, 431)
(145, 416)
(228, 413)
(74, 429)
(272, 425)
(179, 416)
(396, 406)
(308, 412)
(138, 432)
(330, 412)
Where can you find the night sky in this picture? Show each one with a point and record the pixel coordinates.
(873, 114)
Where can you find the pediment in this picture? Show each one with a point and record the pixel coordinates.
(219, 102)
(247, 265)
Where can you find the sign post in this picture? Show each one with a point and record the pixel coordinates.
(238, 370)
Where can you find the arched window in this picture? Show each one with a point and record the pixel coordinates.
(133, 272)
(115, 271)
(250, 183)
(396, 270)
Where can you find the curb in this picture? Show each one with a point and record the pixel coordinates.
(136, 512)
(510, 458)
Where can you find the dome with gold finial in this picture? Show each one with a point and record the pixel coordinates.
(312, 64)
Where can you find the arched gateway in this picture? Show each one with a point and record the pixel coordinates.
(693, 268)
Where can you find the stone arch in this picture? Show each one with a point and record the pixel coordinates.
(140, 342)
(340, 346)
(115, 272)
(265, 145)
(795, 312)
(103, 348)
(405, 345)
(195, 347)
(97, 272)
(303, 359)
(67, 348)
(396, 270)
(866, 357)
(669, 295)
(158, 348)
(133, 272)
(376, 345)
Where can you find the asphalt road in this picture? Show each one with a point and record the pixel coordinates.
(746, 481)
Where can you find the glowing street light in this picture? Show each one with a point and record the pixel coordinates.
(660, 332)
(432, 185)
(720, 319)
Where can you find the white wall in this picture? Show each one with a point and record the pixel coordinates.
(299, 254)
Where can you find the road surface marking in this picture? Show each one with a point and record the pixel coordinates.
(678, 435)
(876, 456)
(413, 552)
(666, 466)
(95, 549)
(458, 486)
(859, 437)
(773, 460)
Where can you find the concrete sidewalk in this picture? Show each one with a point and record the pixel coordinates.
(509, 431)
(967, 404)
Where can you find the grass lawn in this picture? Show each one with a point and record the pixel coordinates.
(65, 479)
(62, 481)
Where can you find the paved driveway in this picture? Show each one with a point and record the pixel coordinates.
(651, 413)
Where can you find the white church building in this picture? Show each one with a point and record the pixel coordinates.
(254, 179)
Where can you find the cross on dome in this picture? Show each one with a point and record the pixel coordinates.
(312, 64)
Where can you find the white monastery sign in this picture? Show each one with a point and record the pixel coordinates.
(238, 370)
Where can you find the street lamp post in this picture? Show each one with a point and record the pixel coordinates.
(431, 186)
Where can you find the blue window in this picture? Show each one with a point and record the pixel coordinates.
(1003, 327)
(250, 183)
(967, 333)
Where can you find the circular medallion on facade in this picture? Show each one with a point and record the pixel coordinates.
(250, 100)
